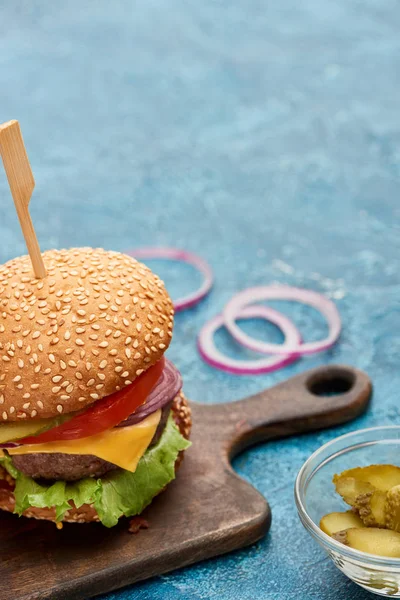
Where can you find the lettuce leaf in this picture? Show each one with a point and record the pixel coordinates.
(117, 493)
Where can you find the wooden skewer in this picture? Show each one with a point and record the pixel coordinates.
(22, 183)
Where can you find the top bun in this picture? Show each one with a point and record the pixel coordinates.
(93, 325)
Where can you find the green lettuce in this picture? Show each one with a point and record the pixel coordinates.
(118, 493)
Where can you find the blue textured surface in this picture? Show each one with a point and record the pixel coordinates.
(263, 135)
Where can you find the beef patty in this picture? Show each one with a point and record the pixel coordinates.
(70, 467)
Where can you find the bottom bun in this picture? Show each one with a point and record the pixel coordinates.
(87, 513)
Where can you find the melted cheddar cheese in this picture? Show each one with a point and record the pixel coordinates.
(122, 446)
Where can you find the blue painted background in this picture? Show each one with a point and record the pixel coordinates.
(263, 135)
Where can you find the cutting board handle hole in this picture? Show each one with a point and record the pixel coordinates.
(333, 382)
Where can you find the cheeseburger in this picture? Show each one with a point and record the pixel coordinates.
(93, 422)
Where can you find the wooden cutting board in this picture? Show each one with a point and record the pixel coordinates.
(208, 510)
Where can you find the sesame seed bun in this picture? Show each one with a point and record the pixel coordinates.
(94, 324)
(87, 513)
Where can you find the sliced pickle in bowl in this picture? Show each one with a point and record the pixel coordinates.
(373, 540)
(338, 521)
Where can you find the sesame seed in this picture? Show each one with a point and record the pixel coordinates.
(56, 389)
(147, 337)
(5, 416)
(101, 376)
(80, 329)
(72, 363)
(94, 396)
(125, 322)
(78, 375)
(39, 403)
(59, 408)
(103, 344)
(33, 413)
(90, 382)
(65, 397)
(69, 351)
(67, 335)
(47, 371)
(20, 363)
(139, 372)
(26, 405)
(113, 352)
(63, 365)
(69, 389)
(128, 352)
(52, 358)
(79, 342)
(118, 369)
(1, 399)
(34, 386)
(103, 364)
(95, 326)
(125, 374)
(135, 343)
(138, 326)
(88, 366)
(17, 378)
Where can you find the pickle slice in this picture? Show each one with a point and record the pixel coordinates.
(383, 542)
(337, 521)
(350, 488)
(381, 477)
(18, 430)
(10, 432)
(372, 508)
(392, 509)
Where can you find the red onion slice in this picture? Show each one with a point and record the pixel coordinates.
(276, 292)
(217, 359)
(165, 390)
(186, 257)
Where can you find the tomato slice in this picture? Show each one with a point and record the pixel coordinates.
(105, 413)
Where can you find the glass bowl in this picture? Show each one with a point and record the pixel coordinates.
(316, 496)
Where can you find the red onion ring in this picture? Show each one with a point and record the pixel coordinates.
(325, 306)
(181, 256)
(217, 359)
(165, 390)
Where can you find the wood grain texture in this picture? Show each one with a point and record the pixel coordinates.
(22, 183)
(208, 510)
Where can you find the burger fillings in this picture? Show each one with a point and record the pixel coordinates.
(93, 422)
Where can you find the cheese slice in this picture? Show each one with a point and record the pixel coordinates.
(122, 446)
